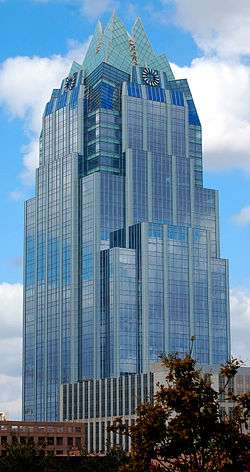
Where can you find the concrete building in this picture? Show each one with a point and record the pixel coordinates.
(98, 402)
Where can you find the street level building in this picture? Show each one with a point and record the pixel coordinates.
(58, 438)
(122, 252)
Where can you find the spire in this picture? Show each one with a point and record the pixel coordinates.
(74, 68)
(115, 46)
(145, 52)
(164, 65)
(91, 60)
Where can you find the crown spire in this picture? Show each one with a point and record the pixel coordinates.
(115, 46)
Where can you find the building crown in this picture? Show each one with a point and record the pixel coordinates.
(115, 46)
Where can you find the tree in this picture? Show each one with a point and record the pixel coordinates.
(23, 458)
(109, 463)
(29, 458)
(185, 429)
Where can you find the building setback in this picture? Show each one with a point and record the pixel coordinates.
(122, 253)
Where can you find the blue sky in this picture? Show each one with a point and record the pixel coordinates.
(206, 44)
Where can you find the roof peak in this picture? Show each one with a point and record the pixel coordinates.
(116, 46)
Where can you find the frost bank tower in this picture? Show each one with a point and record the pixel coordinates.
(122, 251)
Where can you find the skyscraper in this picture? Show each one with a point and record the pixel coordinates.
(122, 253)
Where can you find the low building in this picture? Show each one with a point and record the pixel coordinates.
(58, 438)
(98, 402)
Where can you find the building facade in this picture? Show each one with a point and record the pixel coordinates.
(58, 438)
(97, 403)
(122, 252)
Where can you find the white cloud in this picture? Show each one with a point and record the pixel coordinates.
(10, 396)
(95, 8)
(220, 80)
(25, 86)
(16, 195)
(221, 90)
(10, 310)
(240, 323)
(30, 159)
(243, 217)
(217, 26)
(11, 355)
(10, 348)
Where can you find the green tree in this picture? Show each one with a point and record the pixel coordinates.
(24, 458)
(31, 458)
(185, 430)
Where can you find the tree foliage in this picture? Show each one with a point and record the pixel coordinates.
(185, 430)
(23, 458)
(31, 458)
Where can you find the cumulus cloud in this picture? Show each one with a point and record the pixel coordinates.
(243, 217)
(220, 79)
(95, 8)
(217, 26)
(240, 323)
(25, 87)
(10, 348)
(221, 91)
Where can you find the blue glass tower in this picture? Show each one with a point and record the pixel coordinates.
(122, 254)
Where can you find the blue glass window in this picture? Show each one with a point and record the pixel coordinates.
(155, 231)
(74, 96)
(62, 100)
(87, 263)
(102, 96)
(196, 234)
(134, 90)
(177, 98)
(49, 108)
(30, 261)
(192, 113)
(107, 92)
(134, 74)
(178, 233)
(41, 250)
(156, 93)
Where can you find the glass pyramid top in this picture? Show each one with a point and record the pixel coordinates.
(115, 46)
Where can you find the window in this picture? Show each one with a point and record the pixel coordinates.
(78, 441)
(70, 441)
(50, 441)
(41, 441)
(59, 441)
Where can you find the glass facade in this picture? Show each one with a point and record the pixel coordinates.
(122, 254)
